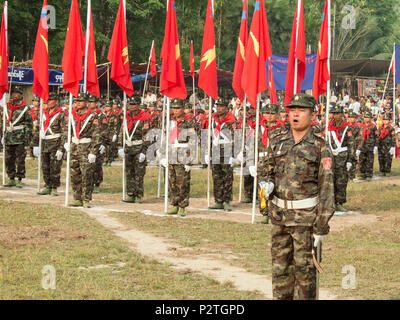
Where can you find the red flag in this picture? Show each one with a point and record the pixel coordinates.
(3, 55)
(191, 60)
(258, 51)
(92, 81)
(118, 54)
(153, 61)
(240, 54)
(172, 81)
(297, 52)
(40, 63)
(73, 51)
(321, 75)
(208, 63)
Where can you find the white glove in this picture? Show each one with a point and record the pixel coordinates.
(231, 161)
(239, 157)
(187, 168)
(36, 152)
(164, 162)
(59, 155)
(253, 171)
(66, 147)
(358, 153)
(348, 165)
(2, 140)
(268, 187)
(207, 159)
(318, 239)
(158, 154)
(91, 158)
(114, 138)
(142, 157)
(392, 151)
(121, 153)
(102, 149)
(375, 150)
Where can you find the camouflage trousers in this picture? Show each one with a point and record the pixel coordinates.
(98, 170)
(178, 185)
(385, 160)
(15, 155)
(293, 270)
(111, 152)
(353, 170)
(223, 182)
(81, 173)
(340, 180)
(248, 186)
(366, 161)
(135, 172)
(51, 169)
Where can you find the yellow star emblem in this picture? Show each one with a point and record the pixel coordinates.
(209, 56)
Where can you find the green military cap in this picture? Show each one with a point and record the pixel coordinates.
(302, 100)
(367, 114)
(143, 106)
(136, 100)
(35, 98)
(352, 114)
(18, 89)
(115, 101)
(107, 104)
(387, 117)
(222, 102)
(93, 98)
(176, 104)
(82, 97)
(153, 104)
(53, 96)
(282, 109)
(188, 105)
(336, 109)
(269, 108)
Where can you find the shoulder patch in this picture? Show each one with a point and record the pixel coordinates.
(327, 163)
(349, 133)
(146, 126)
(104, 121)
(96, 122)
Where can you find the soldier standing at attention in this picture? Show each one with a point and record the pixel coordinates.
(54, 135)
(369, 147)
(85, 145)
(223, 125)
(297, 174)
(386, 145)
(110, 128)
(341, 143)
(137, 126)
(17, 136)
(356, 132)
(35, 113)
(155, 116)
(182, 146)
(116, 118)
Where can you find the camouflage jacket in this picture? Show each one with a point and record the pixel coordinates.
(105, 136)
(341, 142)
(135, 133)
(223, 135)
(53, 131)
(358, 138)
(300, 171)
(386, 138)
(19, 125)
(155, 120)
(369, 137)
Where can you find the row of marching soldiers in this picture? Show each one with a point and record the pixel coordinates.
(98, 136)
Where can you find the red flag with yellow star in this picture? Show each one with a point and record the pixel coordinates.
(40, 63)
(118, 54)
(208, 63)
(172, 82)
(3, 55)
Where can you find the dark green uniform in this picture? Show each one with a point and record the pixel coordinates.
(369, 142)
(386, 144)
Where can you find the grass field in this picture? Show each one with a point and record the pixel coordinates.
(372, 249)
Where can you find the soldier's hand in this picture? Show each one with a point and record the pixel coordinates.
(92, 158)
(268, 188)
(164, 162)
(392, 151)
(240, 157)
(317, 240)
(187, 168)
(66, 147)
(102, 149)
(207, 159)
(59, 155)
(121, 153)
(158, 154)
(231, 161)
(358, 152)
(36, 152)
(375, 150)
(142, 157)
(348, 165)
(114, 138)
(253, 171)
(2, 141)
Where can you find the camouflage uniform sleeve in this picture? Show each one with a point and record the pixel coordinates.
(266, 166)
(192, 140)
(119, 132)
(145, 130)
(325, 209)
(28, 122)
(64, 132)
(96, 138)
(351, 157)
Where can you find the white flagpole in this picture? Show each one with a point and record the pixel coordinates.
(161, 144)
(328, 84)
(89, 8)
(40, 142)
(253, 211)
(147, 72)
(209, 151)
(242, 149)
(297, 36)
(167, 156)
(123, 147)
(5, 99)
(67, 178)
(387, 78)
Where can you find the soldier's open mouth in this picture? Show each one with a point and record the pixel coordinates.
(295, 121)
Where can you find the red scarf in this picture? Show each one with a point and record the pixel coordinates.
(98, 110)
(141, 116)
(13, 108)
(366, 132)
(385, 132)
(33, 114)
(331, 127)
(228, 118)
(265, 133)
(152, 115)
(174, 134)
(281, 122)
(204, 118)
(79, 119)
(49, 116)
(314, 123)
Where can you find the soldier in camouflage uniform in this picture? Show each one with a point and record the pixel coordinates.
(85, 145)
(386, 145)
(35, 113)
(115, 123)
(356, 132)
(341, 143)
(182, 151)
(54, 135)
(17, 136)
(223, 125)
(297, 175)
(155, 116)
(110, 128)
(369, 147)
(137, 126)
